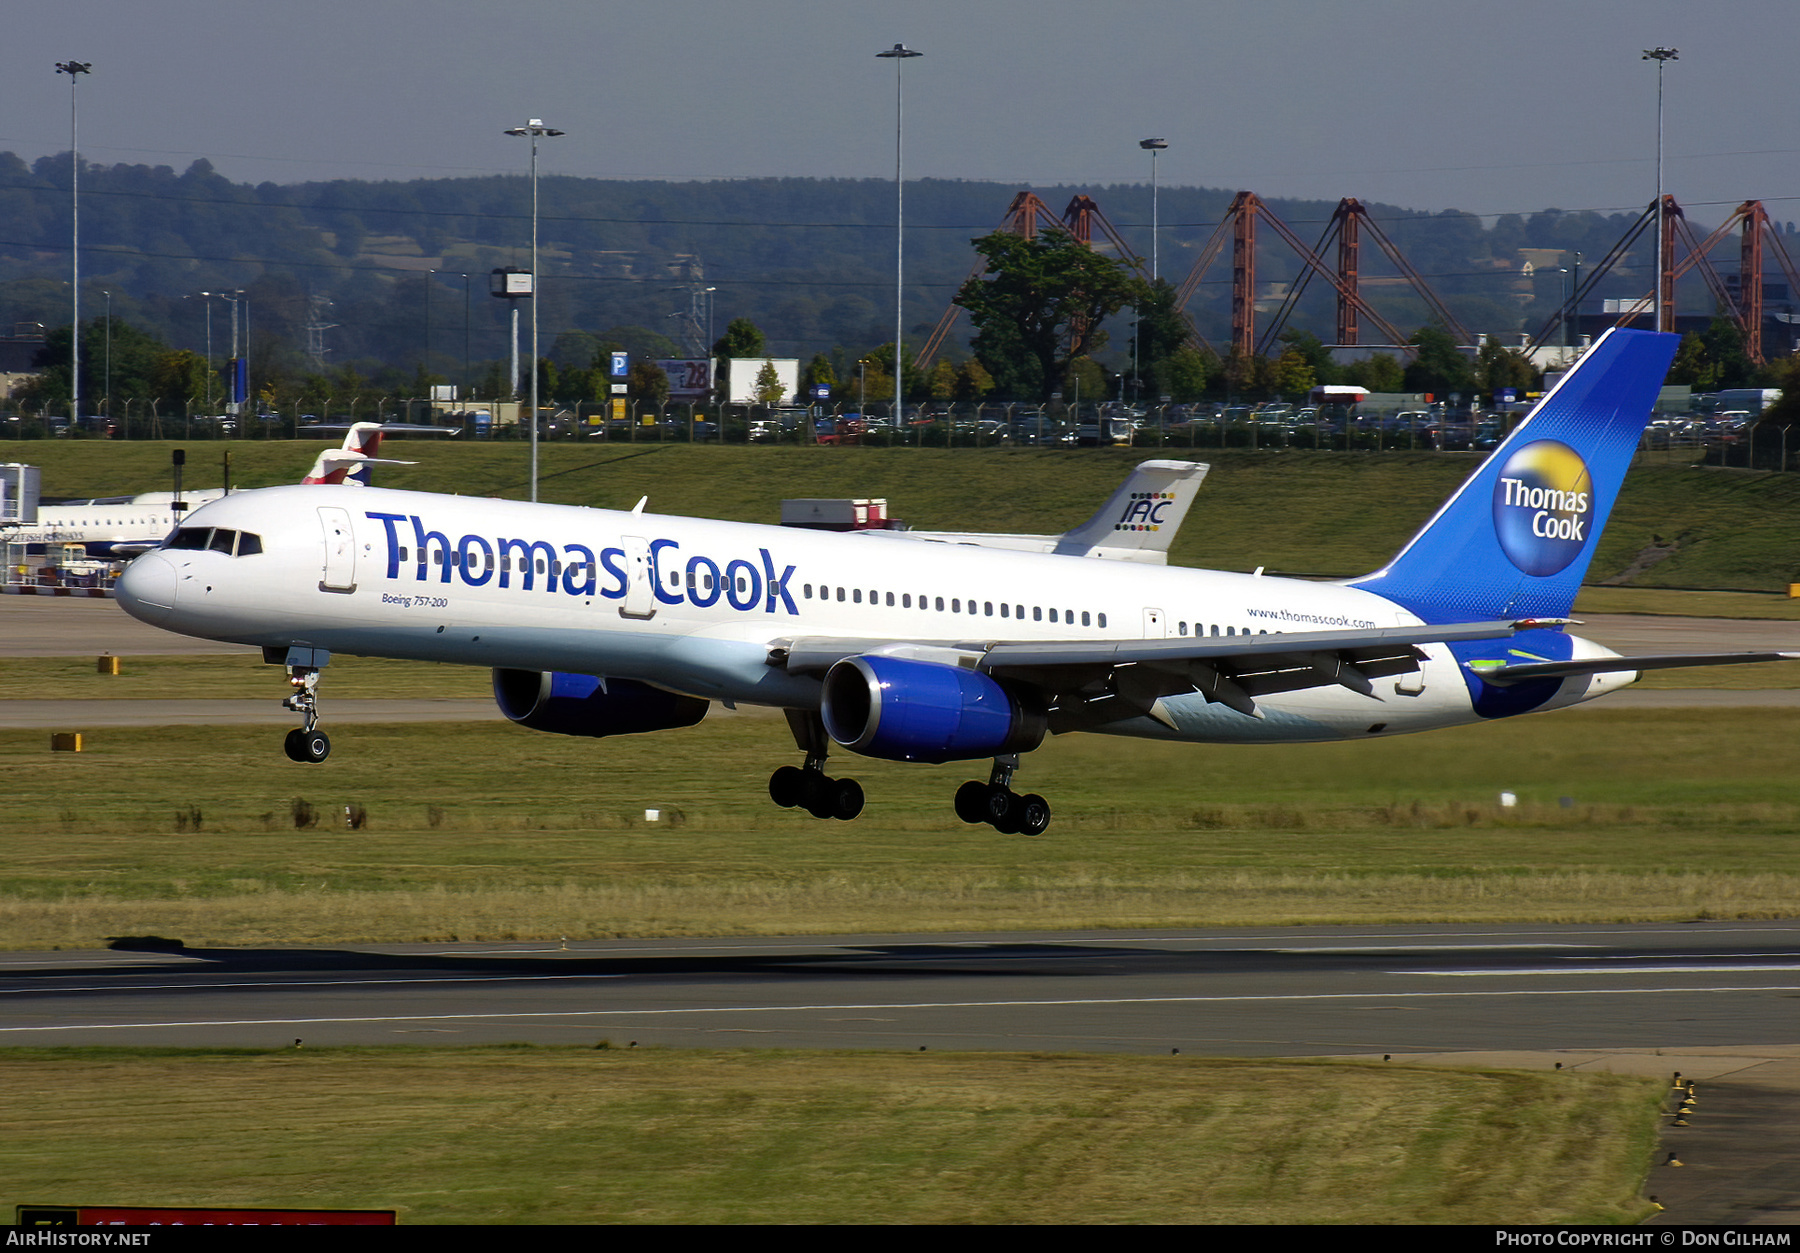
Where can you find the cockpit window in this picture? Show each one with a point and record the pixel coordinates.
(216, 539)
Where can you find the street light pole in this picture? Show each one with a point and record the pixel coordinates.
(74, 69)
(536, 130)
(1153, 146)
(1660, 55)
(898, 54)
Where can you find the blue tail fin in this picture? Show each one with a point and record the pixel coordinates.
(1516, 538)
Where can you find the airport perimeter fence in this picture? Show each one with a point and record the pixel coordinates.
(1183, 429)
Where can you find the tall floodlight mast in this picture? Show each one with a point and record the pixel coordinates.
(1153, 146)
(1660, 56)
(898, 53)
(536, 130)
(74, 69)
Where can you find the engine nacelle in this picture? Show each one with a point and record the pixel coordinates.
(923, 711)
(580, 704)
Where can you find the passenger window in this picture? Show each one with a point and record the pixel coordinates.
(1037, 613)
(1102, 621)
(1084, 617)
(890, 600)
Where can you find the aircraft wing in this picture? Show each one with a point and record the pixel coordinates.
(1503, 674)
(1088, 682)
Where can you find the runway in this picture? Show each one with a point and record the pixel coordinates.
(1274, 992)
(38, 627)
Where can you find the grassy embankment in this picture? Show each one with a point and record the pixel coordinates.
(1304, 512)
(539, 1135)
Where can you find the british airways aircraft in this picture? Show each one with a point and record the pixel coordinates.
(598, 622)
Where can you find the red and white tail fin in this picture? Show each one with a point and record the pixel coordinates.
(350, 464)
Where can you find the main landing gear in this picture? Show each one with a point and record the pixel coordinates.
(808, 787)
(996, 804)
(305, 743)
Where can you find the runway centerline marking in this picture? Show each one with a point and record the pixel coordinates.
(1595, 970)
(805, 1009)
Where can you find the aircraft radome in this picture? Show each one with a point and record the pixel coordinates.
(940, 648)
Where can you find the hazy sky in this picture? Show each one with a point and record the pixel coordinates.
(1491, 106)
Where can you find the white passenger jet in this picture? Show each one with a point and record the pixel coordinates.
(598, 622)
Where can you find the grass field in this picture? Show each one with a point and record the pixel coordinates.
(543, 1135)
(488, 831)
(1300, 512)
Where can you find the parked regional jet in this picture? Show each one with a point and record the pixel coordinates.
(121, 527)
(118, 527)
(600, 622)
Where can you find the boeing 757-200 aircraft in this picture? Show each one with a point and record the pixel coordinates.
(598, 622)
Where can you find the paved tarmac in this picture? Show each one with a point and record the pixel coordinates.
(32, 626)
(39, 627)
(1710, 1000)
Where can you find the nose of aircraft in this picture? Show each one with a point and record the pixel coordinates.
(146, 590)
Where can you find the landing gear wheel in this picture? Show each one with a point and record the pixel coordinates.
(1034, 814)
(786, 786)
(846, 798)
(816, 794)
(315, 747)
(998, 806)
(292, 747)
(971, 802)
(1011, 821)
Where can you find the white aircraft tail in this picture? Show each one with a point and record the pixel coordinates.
(1140, 520)
(350, 464)
(1137, 523)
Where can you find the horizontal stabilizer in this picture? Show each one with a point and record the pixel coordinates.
(1501, 674)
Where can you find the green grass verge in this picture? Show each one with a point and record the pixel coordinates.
(240, 676)
(552, 1135)
(1303, 512)
(488, 831)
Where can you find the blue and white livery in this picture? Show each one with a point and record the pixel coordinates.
(599, 622)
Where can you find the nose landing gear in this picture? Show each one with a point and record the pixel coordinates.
(306, 743)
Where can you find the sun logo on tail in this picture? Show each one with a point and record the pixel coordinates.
(1543, 507)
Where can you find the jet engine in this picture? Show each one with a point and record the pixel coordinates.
(581, 704)
(907, 710)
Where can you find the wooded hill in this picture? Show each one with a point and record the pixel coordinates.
(809, 260)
